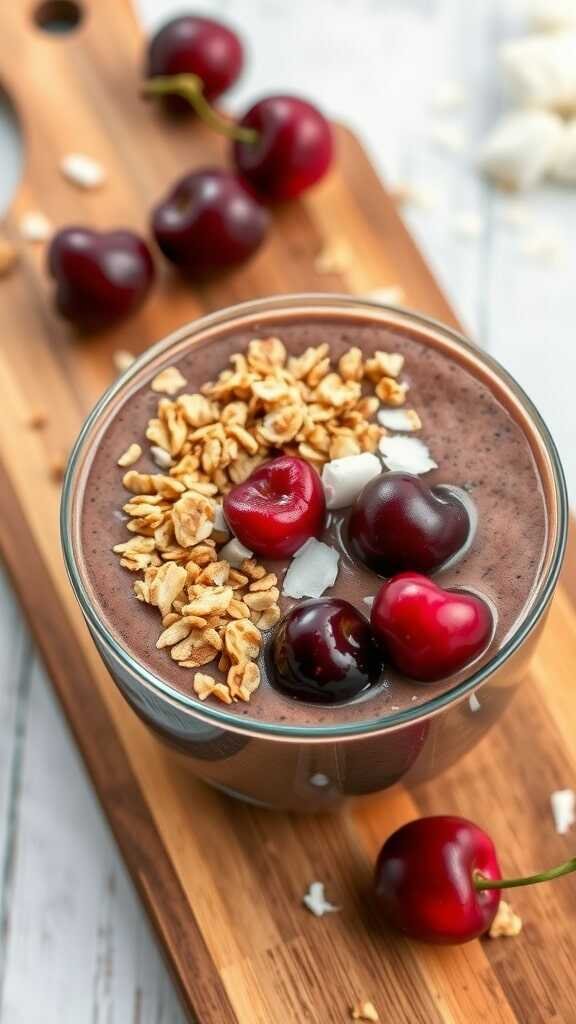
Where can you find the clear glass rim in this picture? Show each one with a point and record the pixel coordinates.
(214, 715)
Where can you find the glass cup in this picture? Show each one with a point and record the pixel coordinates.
(296, 768)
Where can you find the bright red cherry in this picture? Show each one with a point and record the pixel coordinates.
(292, 151)
(278, 508)
(101, 276)
(198, 46)
(208, 222)
(429, 633)
(399, 523)
(426, 877)
(323, 651)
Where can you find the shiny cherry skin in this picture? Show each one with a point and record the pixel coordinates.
(208, 222)
(323, 651)
(399, 523)
(428, 632)
(425, 880)
(199, 46)
(101, 276)
(293, 150)
(278, 508)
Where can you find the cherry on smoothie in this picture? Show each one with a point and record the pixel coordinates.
(278, 508)
(101, 276)
(399, 523)
(437, 879)
(199, 46)
(323, 651)
(292, 151)
(428, 632)
(208, 222)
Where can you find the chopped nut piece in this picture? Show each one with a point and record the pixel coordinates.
(506, 922)
(130, 456)
(169, 381)
(211, 601)
(178, 631)
(242, 641)
(391, 392)
(269, 617)
(243, 680)
(364, 1011)
(203, 685)
(192, 520)
(384, 364)
(166, 585)
(264, 582)
(350, 365)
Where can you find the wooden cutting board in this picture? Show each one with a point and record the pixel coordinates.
(223, 882)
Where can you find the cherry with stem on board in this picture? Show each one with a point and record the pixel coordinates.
(437, 879)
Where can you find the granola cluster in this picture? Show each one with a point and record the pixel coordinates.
(204, 443)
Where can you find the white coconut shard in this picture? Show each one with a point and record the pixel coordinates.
(406, 454)
(553, 15)
(448, 135)
(564, 166)
(369, 600)
(312, 571)
(405, 421)
(344, 478)
(34, 226)
(521, 148)
(473, 703)
(468, 224)
(448, 95)
(540, 71)
(220, 522)
(82, 170)
(235, 552)
(315, 900)
(563, 803)
(162, 458)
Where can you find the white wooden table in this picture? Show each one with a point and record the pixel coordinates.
(75, 947)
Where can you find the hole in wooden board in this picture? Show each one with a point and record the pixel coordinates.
(58, 16)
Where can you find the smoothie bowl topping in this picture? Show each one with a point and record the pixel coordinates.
(252, 461)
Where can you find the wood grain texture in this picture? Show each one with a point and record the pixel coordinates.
(222, 882)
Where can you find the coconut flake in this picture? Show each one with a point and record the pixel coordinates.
(35, 227)
(406, 454)
(162, 458)
(316, 902)
(220, 521)
(403, 420)
(563, 803)
(473, 703)
(540, 71)
(553, 15)
(369, 600)
(312, 572)
(344, 478)
(235, 552)
(521, 148)
(82, 170)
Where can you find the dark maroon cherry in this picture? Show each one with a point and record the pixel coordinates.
(292, 151)
(208, 222)
(398, 524)
(101, 276)
(323, 651)
(198, 46)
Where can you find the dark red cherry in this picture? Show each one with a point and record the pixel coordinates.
(101, 276)
(293, 149)
(399, 523)
(428, 632)
(278, 508)
(208, 222)
(199, 46)
(323, 651)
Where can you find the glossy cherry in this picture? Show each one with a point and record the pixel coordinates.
(399, 523)
(278, 508)
(101, 276)
(425, 880)
(208, 222)
(428, 632)
(323, 651)
(437, 879)
(200, 46)
(292, 151)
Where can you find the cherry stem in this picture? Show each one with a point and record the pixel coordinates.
(191, 88)
(511, 883)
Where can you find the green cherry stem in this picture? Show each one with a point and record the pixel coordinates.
(482, 883)
(191, 88)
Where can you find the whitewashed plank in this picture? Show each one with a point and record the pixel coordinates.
(79, 950)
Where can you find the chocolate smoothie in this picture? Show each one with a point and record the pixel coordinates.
(476, 442)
